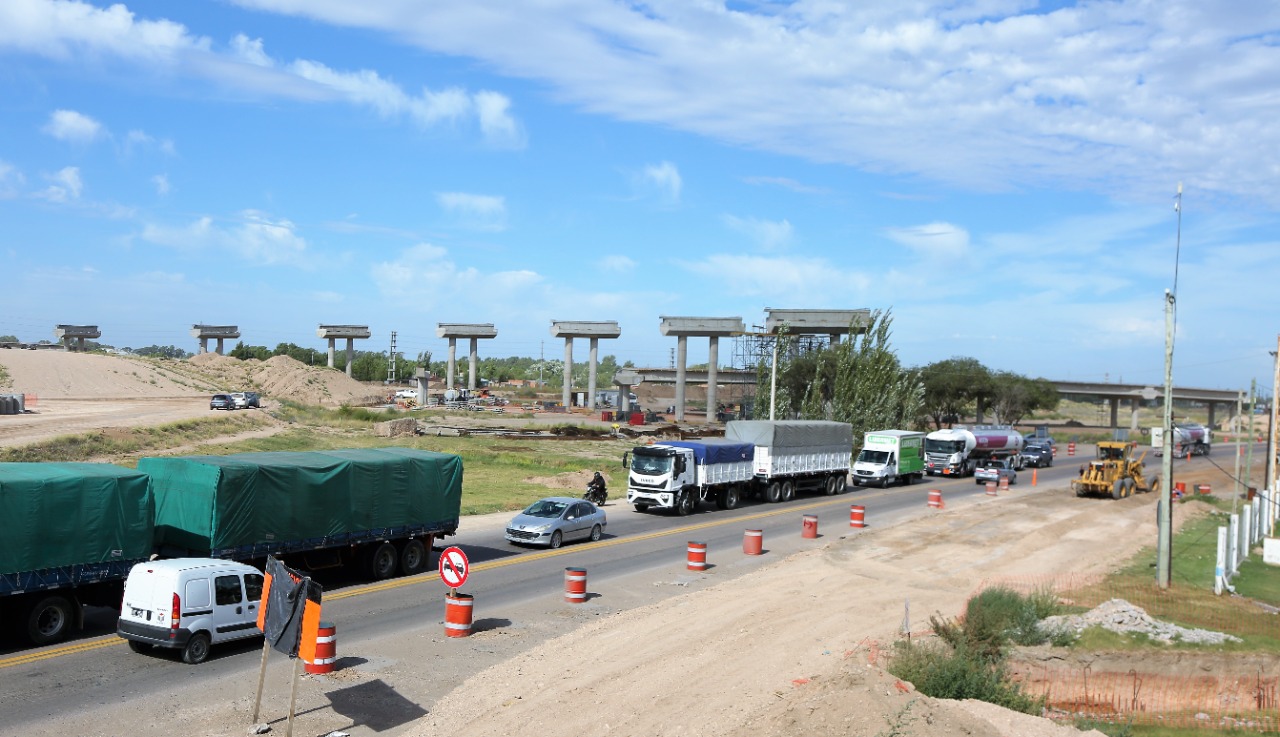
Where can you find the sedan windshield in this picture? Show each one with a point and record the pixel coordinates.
(546, 508)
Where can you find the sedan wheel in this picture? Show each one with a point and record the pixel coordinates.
(595, 533)
(556, 539)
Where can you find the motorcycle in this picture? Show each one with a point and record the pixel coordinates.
(597, 494)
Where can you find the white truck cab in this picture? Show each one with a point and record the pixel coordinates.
(189, 604)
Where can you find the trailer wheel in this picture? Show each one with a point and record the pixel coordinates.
(773, 492)
(49, 620)
(382, 562)
(841, 484)
(413, 557)
(732, 497)
(831, 486)
(788, 490)
(197, 649)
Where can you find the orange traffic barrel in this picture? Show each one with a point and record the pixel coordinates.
(1180, 488)
(991, 488)
(697, 556)
(935, 498)
(809, 526)
(753, 542)
(457, 614)
(1071, 449)
(857, 516)
(575, 585)
(1004, 484)
(326, 650)
(1205, 489)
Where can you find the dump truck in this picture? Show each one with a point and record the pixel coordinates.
(793, 456)
(69, 533)
(1115, 473)
(1187, 438)
(680, 474)
(957, 451)
(889, 457)
(377, 508)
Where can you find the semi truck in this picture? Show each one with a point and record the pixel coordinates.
(889, 457)
(957, 451)
(69, 533)
(1187, 438)
(771, 460)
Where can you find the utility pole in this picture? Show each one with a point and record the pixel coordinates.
(1164, 513)
(391, 360)
(1253, 403)
(1271, 440)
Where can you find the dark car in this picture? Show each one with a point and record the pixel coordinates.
(222, 401)
(1038, 456)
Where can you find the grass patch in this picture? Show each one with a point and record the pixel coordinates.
(127, 441)
(5, 379)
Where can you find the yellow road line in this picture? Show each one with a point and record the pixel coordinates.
(80, 647)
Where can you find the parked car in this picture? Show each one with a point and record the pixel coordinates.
(189, 604)
(245, 400)
(995, 469)
(406, 394)
(557, 520)
(222, 401)
(1038, 456)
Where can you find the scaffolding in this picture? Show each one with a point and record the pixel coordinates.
(754, 348)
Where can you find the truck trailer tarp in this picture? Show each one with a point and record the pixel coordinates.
(715, 450)
(55, 515)
(208, 504)
(784, 434)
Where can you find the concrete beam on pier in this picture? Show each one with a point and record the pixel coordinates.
(77, 333)
(204, 333)
(473, 331)
(713, 328)
(592, 330)
(351, 333)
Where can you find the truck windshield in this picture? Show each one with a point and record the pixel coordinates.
(873, 456)
(943, 446)
(650, 465)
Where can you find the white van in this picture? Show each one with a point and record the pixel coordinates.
(189, 604)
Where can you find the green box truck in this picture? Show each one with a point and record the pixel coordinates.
(890, 457)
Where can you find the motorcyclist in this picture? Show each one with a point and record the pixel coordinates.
(597, 481)
(596, 488)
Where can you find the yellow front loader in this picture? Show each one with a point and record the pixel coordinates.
(1115, 473)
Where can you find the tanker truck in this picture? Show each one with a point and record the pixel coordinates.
(1194, 439)
(958, 451)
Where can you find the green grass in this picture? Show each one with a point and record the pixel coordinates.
(5, 380)
(127, 441)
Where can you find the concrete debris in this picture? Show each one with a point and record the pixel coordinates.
(1118, 615)
(260, 728)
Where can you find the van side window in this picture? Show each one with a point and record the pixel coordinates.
(226, 590)
(253, 586)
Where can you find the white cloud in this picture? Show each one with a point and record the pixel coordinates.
(617, 264)
(137, 138)
(935, 241)
(786, 183)
(483, 212)
(60, 29)
(66, 185)
(494, 112)
(162, 184)
(665, 179)
(69, 125)
(11, 180)
(250, 50)
(777, 280)
(769, 235)
(255, 238)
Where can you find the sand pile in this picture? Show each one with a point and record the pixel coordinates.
(282, 377)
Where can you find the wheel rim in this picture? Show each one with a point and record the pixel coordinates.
(731, 498)
(384, 561)
(595, 533)
(51, 621)
(556, 539)
(412, 556)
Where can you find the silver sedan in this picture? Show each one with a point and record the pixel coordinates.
(556, 520)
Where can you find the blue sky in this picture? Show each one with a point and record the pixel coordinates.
(999, 173)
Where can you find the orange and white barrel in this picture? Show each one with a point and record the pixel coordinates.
(935, 498)
(1071, 449)
(457, 614)
(697, 556)
(809, 526)
(1004, 484)
(575, 585)
(857, 516)
(991, 488)
(753, 542)
(1179, 489)
(1205, 489)
(326, 650)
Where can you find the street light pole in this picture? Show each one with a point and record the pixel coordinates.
(1164, 513)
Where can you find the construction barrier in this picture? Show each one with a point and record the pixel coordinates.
(753, 542)
(809, 526)
(857, 516)
(326, 650)
(697, 556)
(991, 488)
(1004, 483)
(457, 614)
(1205, 489)
(1179, 489)
(575, 585)
(935, 498)
(1034, 476)
(1071, 449)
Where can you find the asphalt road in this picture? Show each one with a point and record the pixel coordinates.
(388, 628)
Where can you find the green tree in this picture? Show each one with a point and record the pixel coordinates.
(245, 352)
(160, 351)
(951, 388)
(1014, 397)
(9, 339)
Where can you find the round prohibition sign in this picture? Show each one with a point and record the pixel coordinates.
(454, 567)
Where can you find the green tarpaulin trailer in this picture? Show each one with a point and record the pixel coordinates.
(249, 505)
(69, 533)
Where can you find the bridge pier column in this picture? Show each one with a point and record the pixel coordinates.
(453, 362)
(1211, 414)
(472, 358)
(713, 356)
(1134, 404)
(682, 353)
(593, 353)
(1115, 411)
(567, 394)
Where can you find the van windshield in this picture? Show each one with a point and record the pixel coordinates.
(873, 456)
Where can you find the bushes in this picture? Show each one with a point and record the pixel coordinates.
(969, 662)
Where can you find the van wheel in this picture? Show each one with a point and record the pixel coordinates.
(139, 647)
(49, 620)
(197, 649)
(413, 557)
(382, 562)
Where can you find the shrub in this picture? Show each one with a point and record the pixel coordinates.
(997, 617)
(944, 672)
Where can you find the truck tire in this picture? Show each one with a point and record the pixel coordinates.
(642, 507)
(1153, 483)
(841, 484)
(831, 486)
(413, 557)
(685, 504)
(788, 490)
(382, 561)
(773, 492)
(732, 497)
(197, 649)
(49, 620)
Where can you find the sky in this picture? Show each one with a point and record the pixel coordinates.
(1001, 176)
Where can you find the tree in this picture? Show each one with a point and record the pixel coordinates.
(951, 387)
(160, 351)
(1013, 396)
(245, 352)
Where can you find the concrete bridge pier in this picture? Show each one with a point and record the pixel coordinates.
(76, 335)
(712, 328)
(348, 332)
(205, 333)
(473, 332)
(570, 329)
